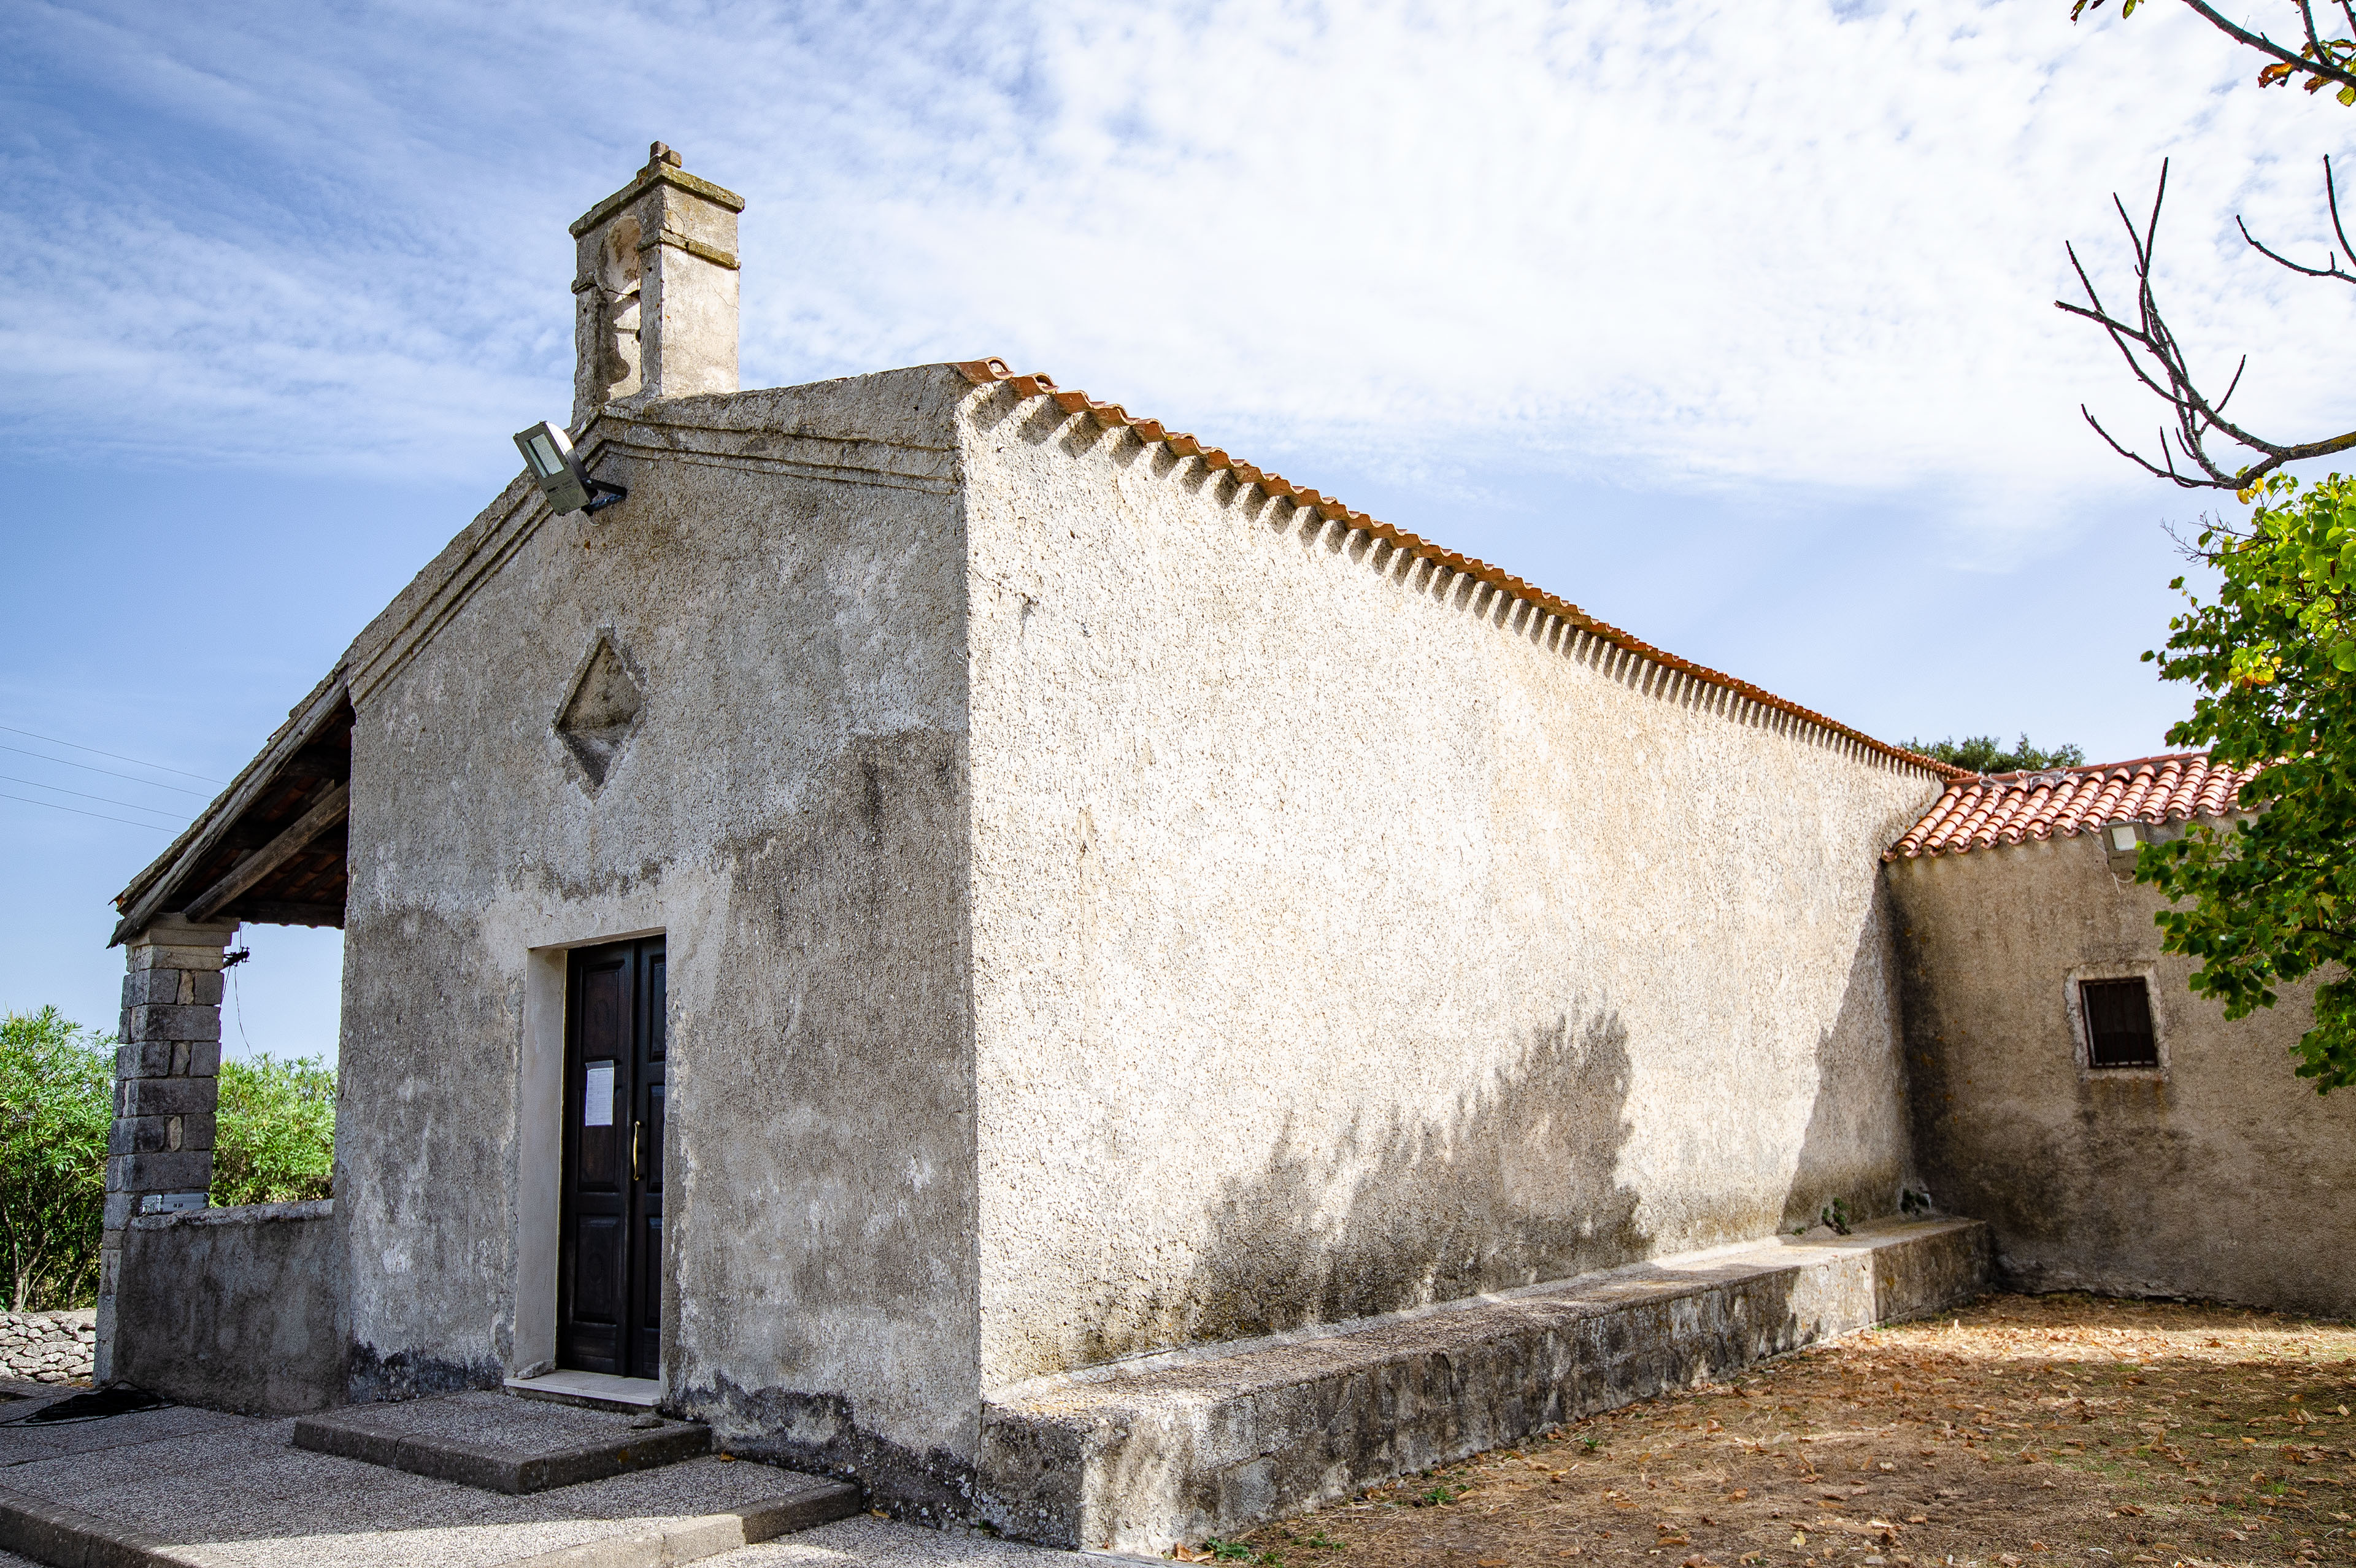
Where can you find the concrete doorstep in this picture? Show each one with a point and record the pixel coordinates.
(197, 1489)
(501, 1443)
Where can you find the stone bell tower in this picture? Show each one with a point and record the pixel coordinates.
(655, 290)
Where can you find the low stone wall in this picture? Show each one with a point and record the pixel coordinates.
(48, 1347)
(239, 1308)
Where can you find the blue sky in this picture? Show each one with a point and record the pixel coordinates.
(1730, 322)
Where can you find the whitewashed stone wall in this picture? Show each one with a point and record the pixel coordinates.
(1349, 935)
(48, 1347)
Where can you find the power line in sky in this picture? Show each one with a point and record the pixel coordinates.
(118, 756)
(110, 773)
(85, 795)
(77, 811)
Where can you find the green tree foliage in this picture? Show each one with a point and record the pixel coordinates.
(56, 1084)
(2273, 654)
(275, 1140)
(1986, 754)
(2271, 900)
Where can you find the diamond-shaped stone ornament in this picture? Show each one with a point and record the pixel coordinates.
(595, 721)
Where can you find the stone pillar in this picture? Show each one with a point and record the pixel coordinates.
(166, 1086)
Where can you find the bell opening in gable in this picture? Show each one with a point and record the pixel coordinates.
(620, 365)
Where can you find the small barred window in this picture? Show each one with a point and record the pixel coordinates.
(2118, 1023)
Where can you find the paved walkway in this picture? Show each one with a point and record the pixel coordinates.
(199, 1488)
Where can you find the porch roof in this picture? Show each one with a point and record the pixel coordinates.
(270, 848)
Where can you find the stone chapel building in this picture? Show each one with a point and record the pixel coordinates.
(948, 893)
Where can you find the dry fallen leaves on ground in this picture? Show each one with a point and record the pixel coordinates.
(2019, 1431)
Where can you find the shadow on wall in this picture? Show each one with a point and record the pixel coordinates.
(1513, 1186)
(1857, 1148)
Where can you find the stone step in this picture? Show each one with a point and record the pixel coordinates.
(502, 1443)
(179, 1487)
(1149, 1453)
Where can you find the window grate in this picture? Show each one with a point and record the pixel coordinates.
(2118, 1023)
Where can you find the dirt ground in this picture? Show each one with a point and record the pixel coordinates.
(2020, 1430)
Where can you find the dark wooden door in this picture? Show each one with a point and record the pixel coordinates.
(609, 1263)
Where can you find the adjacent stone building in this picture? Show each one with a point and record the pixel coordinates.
(2114, 1131)
(949, 889)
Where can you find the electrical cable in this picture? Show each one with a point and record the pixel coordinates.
(110, 773)
(85, 795)
(79, 812)
(118, 756)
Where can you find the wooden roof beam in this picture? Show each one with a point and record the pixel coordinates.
(331, 808)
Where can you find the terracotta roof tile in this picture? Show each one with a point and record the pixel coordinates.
(994, 372)
(1980, 811)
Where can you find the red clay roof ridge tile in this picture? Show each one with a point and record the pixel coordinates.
(995, 372)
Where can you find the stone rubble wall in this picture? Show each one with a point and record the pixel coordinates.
(49, 1347)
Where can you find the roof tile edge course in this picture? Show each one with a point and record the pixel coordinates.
(995, 372)
(1997, 810)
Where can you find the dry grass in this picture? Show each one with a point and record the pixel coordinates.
(2023, 1430)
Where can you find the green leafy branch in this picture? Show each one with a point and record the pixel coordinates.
(2270, 899)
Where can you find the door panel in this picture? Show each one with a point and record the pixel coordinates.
(609, 1267)
(595, 1301)
(646, 1131)
(654, 1119)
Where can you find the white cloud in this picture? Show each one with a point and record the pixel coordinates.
(1704, 245)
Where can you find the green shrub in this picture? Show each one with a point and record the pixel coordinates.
(276, 1139)
(274, 1143)
(56, 1087)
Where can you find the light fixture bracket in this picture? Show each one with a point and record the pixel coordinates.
(557, 469)
(2122, 839)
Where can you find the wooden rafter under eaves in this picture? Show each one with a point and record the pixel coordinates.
(270, 850)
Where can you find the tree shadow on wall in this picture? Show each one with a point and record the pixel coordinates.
(1514, 1184)
(1856, 1147)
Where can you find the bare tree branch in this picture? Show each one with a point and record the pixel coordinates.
(2329, 271)
(2331, 196)
(2158, 361)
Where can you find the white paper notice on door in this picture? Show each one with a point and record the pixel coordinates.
(597, 1096)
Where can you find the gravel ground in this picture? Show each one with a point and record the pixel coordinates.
(2021, 1430)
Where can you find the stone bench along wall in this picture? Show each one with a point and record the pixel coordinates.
(48, 1347)
(1168, 1448)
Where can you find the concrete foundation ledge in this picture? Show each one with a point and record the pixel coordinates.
(1140, 1456)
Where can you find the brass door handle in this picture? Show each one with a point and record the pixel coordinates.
(638, 1151)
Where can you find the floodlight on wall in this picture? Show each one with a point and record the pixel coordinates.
(2121, 837)
(548, 453)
